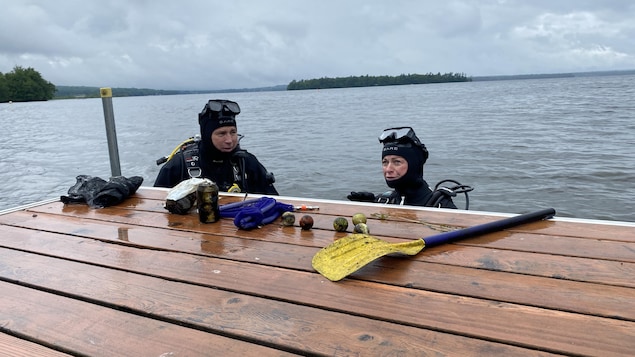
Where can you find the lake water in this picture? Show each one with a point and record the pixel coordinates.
(522, 144)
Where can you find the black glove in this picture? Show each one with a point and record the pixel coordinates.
(390, 197)
(84, 189)
(362, 196)
(116, 190)
(98, 193)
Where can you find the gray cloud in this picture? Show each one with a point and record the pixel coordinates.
(200, 44)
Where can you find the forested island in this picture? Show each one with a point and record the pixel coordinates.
(24, 85)
(371, 81)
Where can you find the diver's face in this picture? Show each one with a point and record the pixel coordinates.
(394, 167)
(225, 138)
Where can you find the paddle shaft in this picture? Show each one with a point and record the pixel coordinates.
(488, 227)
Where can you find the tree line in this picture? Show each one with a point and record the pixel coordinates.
(68, 92)
(27, 84)
(24, 85)
(369, 81)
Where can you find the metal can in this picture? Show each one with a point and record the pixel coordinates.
(207, 202)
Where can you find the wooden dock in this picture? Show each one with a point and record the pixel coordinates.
(134, 280)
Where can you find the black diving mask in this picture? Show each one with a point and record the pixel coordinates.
(402, 134)
(221, 105)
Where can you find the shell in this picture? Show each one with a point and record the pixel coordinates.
(340, 224)
(288, 219)
(361, 228)
(306, 222)
(359, 218)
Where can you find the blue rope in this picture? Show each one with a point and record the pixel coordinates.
(253, 213)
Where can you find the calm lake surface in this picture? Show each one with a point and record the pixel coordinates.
(523, 145)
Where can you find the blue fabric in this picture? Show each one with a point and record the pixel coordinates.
(248, 218)
(255, 212)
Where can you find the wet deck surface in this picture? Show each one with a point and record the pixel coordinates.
(134, 280)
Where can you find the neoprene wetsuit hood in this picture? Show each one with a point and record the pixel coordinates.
(216, 113)
(415, 157)
(403, 142)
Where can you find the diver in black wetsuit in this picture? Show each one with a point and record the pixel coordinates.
(403, 156)
(217, 155)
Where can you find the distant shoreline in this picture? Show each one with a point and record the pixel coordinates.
(78, 92)
(553, 75)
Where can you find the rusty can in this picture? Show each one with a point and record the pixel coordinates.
(207, 202)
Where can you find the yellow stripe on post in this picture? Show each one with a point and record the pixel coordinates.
(105, 92)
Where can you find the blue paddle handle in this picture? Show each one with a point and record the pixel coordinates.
(488, 227)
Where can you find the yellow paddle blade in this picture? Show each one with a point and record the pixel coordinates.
(347, 255)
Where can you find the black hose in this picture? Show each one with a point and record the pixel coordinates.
(452, 191)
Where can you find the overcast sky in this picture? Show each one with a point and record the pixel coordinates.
(209, 44)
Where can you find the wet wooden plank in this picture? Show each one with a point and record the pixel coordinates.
(460, 315)
(559, 272)
(546, 287)
(528, 238)
(418, 224)
(376, 213)
(84, 328)
(606, 262)
(153, 198)
(18, 347)
(590, 298)
(243, 317)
